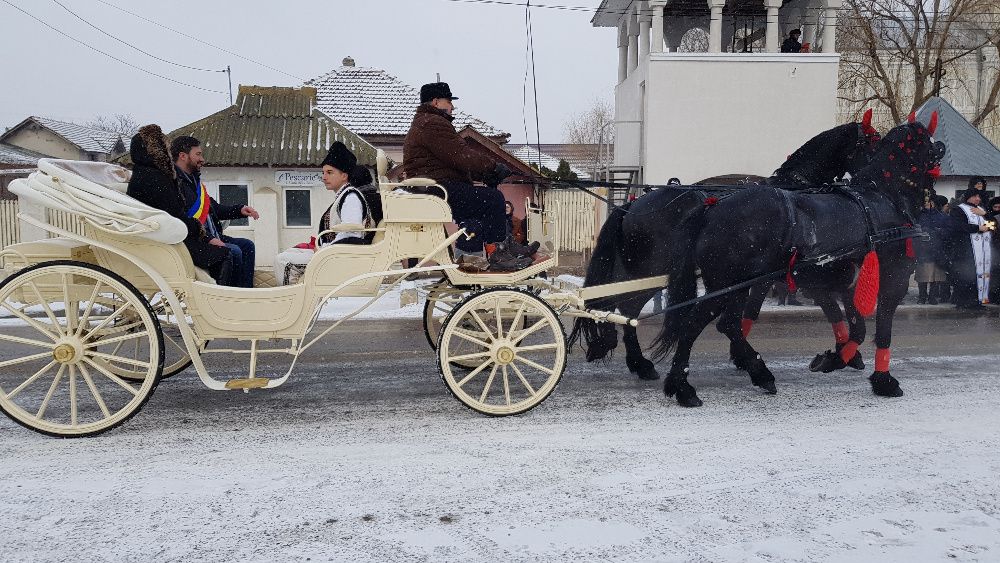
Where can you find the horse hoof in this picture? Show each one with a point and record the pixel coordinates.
(689, 399)
(885, 385)
(648, 375)
(856, 362)
(768, 387)
(827, 361)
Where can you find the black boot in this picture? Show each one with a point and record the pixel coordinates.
(922, 298)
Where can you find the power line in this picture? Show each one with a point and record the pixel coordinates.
(106, 54)
(199, 40)
(122, 41)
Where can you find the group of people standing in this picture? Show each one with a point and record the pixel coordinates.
(961, 259)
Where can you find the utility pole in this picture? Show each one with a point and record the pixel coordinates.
(229, 73)
(938, 73)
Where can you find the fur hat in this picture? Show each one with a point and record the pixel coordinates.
(434, 90)
(971, 192)
(939, 201)
(340, 157)
(360, 176)
(149, 148)
(975, 180)
(994, 201)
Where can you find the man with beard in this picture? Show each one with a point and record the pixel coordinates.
(188, 160)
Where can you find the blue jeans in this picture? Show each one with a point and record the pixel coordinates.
(244, 257)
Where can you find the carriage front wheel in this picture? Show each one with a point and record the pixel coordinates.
(517, 345)
(61, 343)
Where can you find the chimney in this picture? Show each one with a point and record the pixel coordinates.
(348, 61)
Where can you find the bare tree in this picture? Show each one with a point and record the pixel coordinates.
(121, 123)
(586, 128)
(896, 54)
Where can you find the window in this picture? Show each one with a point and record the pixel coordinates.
(298, 208)
(234, 194)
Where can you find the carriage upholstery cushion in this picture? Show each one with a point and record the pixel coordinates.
(95, 190)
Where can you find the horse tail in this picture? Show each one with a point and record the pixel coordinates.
(601, 338)
(682, 284)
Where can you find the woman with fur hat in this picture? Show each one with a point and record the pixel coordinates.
(971, 255)
(348, 208)
(154, 182)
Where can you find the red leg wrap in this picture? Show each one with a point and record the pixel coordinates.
(848, 351)
(881, 359)
(840, 332)
(746, 325)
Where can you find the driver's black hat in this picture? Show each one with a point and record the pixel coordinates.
(435, 90)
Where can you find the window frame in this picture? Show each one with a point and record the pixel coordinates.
(284, 206)
(213, 190)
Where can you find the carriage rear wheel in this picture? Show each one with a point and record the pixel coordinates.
(517, 345)
(54, 367)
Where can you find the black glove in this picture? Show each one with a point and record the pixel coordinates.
(496, 176)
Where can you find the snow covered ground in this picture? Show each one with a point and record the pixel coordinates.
(379, 463)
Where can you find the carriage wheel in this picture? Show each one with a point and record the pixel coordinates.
(175, 354)
(54, 377)
(518, 347)
(441, 299)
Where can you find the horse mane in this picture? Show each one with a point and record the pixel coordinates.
(902, 165)
(822, 159)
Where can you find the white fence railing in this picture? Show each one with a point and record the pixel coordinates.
(577, 214)
(63, 220)
(10, 231)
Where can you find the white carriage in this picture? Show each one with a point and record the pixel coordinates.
(91, 323)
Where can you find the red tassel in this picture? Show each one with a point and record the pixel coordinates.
(746, 325)
(792, 288)
(866, 290)
(909, 249)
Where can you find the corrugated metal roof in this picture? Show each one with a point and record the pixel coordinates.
(87, 138)
(968, 152)
(370, 101)
(273, 126)
(9, 154)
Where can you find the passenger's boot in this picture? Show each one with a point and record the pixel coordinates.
(521, 249)
(503, 259)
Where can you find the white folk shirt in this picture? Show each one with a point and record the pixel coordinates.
(352, 211)
(981, 252)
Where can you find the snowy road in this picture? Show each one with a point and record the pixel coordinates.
(366, 457)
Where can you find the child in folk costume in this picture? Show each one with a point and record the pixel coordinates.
(971, 259)
(348, 208)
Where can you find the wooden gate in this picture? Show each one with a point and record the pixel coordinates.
(578, 217)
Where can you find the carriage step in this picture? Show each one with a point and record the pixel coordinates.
(247, 383)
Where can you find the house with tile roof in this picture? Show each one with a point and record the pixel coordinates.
(968, 152)
(266, 151)
(62, 139)
(379, 107)
(539, 159)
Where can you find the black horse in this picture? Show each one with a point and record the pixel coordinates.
(826, 234)
(627, 248)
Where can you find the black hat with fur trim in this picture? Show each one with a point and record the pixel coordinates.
(435, 90)
(977, 180)
(340, 157)
(149, 148)
(969, 193)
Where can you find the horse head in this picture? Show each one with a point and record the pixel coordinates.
(827, 157)
(906, 162)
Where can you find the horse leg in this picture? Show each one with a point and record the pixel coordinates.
(694, 322)
(883, 383)
(751, 311)
(635, 360)
(832, 360)
(856, 332)
(740, 350)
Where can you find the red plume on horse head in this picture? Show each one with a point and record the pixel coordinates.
(913, 117)
(932, 127)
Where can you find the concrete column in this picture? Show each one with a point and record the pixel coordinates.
(265, 232)
(772, 36)
(809, 24)
(645, 19)
(656, 41)
(622, 52)
(715, 26)
(830, 26)
(633, 40)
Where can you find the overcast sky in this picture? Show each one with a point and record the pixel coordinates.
(478, 48)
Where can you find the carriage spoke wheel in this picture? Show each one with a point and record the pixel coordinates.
(518, 347)
(175, 354)
(57, 371)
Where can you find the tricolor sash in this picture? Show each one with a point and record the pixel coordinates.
(201, 206)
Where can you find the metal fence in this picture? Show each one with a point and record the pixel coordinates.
(10, 231)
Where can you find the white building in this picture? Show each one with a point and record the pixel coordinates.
(694, 115)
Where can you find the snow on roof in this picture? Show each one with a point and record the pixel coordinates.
(370, 101)
(531, 155)
(87, 138)
(9, 154)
